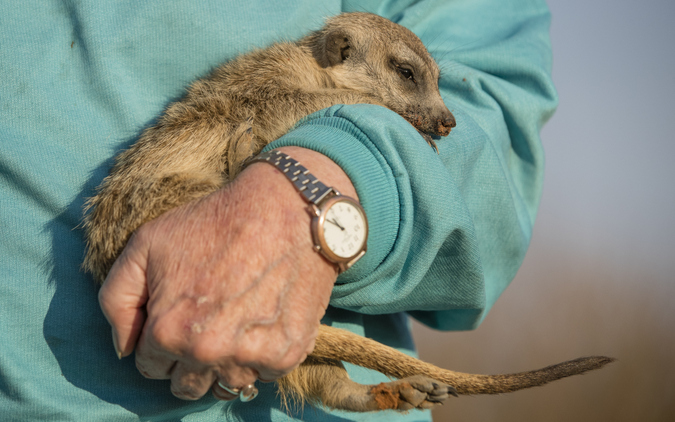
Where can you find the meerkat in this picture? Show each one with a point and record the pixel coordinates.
(201, 142)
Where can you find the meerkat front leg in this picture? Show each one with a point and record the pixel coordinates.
(137, 191)
(325, 381)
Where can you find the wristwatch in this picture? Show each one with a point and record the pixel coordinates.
(339, 224)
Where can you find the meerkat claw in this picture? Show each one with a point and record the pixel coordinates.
(430, 141)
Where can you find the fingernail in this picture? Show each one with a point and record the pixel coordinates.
(115, 343)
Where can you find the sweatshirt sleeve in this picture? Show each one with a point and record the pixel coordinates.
(448, 231)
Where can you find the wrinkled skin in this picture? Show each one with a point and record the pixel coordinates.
(235, 307)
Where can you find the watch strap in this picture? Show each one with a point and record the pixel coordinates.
(311, 188)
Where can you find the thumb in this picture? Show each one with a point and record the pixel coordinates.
(123, 296)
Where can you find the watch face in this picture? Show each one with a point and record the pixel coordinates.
(345, 229)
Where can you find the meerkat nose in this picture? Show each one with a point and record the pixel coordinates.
(445, 123)
(450, 120)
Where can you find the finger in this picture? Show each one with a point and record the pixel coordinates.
(236, 376)
(236, 384)
(189, 382)
(245, 394)
(269, 354)
(151, 361)
(269, 375)
(123, 296)
(222, 393)
(270, 370)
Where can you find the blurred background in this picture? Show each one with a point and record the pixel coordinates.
(599, 277)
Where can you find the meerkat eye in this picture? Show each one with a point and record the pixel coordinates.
(406, 73)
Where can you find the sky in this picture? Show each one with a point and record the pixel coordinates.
(610, 148)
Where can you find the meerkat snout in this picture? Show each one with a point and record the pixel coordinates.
(445, 123)
(436, 120)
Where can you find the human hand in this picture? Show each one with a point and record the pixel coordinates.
(225, 289)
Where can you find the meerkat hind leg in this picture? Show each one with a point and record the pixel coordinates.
(325, 381)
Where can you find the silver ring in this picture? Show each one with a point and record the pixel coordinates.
(233, 391)
(245, 394)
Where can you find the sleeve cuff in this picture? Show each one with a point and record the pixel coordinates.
(340, 139)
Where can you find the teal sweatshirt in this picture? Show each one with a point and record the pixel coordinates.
(79, 80)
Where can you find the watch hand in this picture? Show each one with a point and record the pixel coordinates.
(334, 222)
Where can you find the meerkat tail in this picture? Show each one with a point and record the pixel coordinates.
(343, 345)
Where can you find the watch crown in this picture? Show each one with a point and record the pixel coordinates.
(313, 210)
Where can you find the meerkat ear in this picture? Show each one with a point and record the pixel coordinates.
(337, 47)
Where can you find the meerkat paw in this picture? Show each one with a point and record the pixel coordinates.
(242, 147)
(416, 392)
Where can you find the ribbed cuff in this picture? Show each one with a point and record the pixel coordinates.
(343, 142)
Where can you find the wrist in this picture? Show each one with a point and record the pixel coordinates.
(359, 138)
(323, 168)
(273, 201)
(339, 227)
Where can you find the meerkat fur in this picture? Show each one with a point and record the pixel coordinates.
(201, 142)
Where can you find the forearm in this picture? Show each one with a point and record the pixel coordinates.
(448, 231)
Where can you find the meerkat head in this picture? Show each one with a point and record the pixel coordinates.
(373, 55)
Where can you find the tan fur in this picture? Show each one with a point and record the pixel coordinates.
(334, 343)
(201, 142)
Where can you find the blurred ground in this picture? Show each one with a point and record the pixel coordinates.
(599, 277)
(562, 306)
